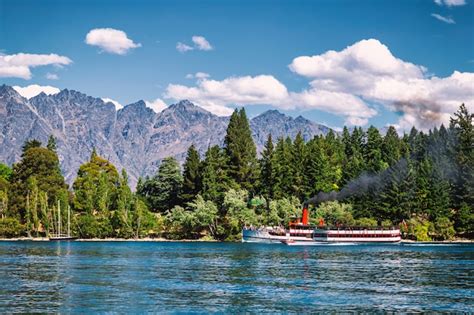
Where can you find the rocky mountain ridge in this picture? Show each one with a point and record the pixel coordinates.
(134, 137)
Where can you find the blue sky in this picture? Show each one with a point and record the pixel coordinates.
(250, 39)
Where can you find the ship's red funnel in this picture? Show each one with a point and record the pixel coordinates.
(305, 215)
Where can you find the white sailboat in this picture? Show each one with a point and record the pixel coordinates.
(58, 236)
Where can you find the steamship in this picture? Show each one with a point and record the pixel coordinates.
(301, 232)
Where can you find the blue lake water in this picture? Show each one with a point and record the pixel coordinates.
(84, 277)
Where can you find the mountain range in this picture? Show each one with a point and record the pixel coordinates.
(135, 137)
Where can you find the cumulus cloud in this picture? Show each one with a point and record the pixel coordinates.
(52, 76)
(368, 70)
(157, 105)
(111, 40)
(35, 89)
(200, 43)
(116, 104)
(215, 96)
(19, 65)
(198, 75)
(450, 3)
(347, 83)
(444, 19)
(183, 47)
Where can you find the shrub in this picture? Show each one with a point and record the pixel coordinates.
(11, 227)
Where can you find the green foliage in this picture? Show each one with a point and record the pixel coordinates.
(462, 126)
(241, 151)
(282, 211)
(334, 213)
(11, 227)
(366, 222)
(51, 143)
(444, 228)
(267, 169)
(95, 187)
(191, 176)
(423, 179)
(30, 144)
(215, 179)
(238, 214)
(418, 229)
(162, 190)
(43, 164)
(90, 226)
(5, 172)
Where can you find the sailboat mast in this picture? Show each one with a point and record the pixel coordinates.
(59, 218)
(68, 221)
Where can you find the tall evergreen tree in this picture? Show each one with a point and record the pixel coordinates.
(241, 151)
(283, 169)
(391, 147)
(463, 129)
(298, 162)
(373, 151)
(215, 180)
(191, 176)
(267, 170)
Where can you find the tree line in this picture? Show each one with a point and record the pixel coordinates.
(422, 182)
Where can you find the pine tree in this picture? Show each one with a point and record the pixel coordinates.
(267, 170)
(52, 143)
(318, 168)
(241, 151)
(463, 129)
(391, 147)
(215, 180)
(373, 151)
(29, 144)
(283, 170)
(398, 196)
(191, 176)
(298, 162)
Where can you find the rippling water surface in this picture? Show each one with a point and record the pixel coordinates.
(82, 277)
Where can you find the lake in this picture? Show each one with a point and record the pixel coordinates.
(83, 277)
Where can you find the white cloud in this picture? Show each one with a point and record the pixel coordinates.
(450, 3)
(35, 89)
(157, 105)
(183, 47)
(198, 75)
(52, 76)
(344, 83)
(215, 96)
(201, 43)
(109, 100)
(445, 19)
(111, 40)
(19, 65)
(368, 70)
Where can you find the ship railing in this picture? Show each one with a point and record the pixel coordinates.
(356, 228)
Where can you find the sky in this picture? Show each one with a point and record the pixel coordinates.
(337, 62)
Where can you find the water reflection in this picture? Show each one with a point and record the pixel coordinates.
(208, 277)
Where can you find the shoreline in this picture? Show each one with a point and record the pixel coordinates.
(146, 239)
(164, 240)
